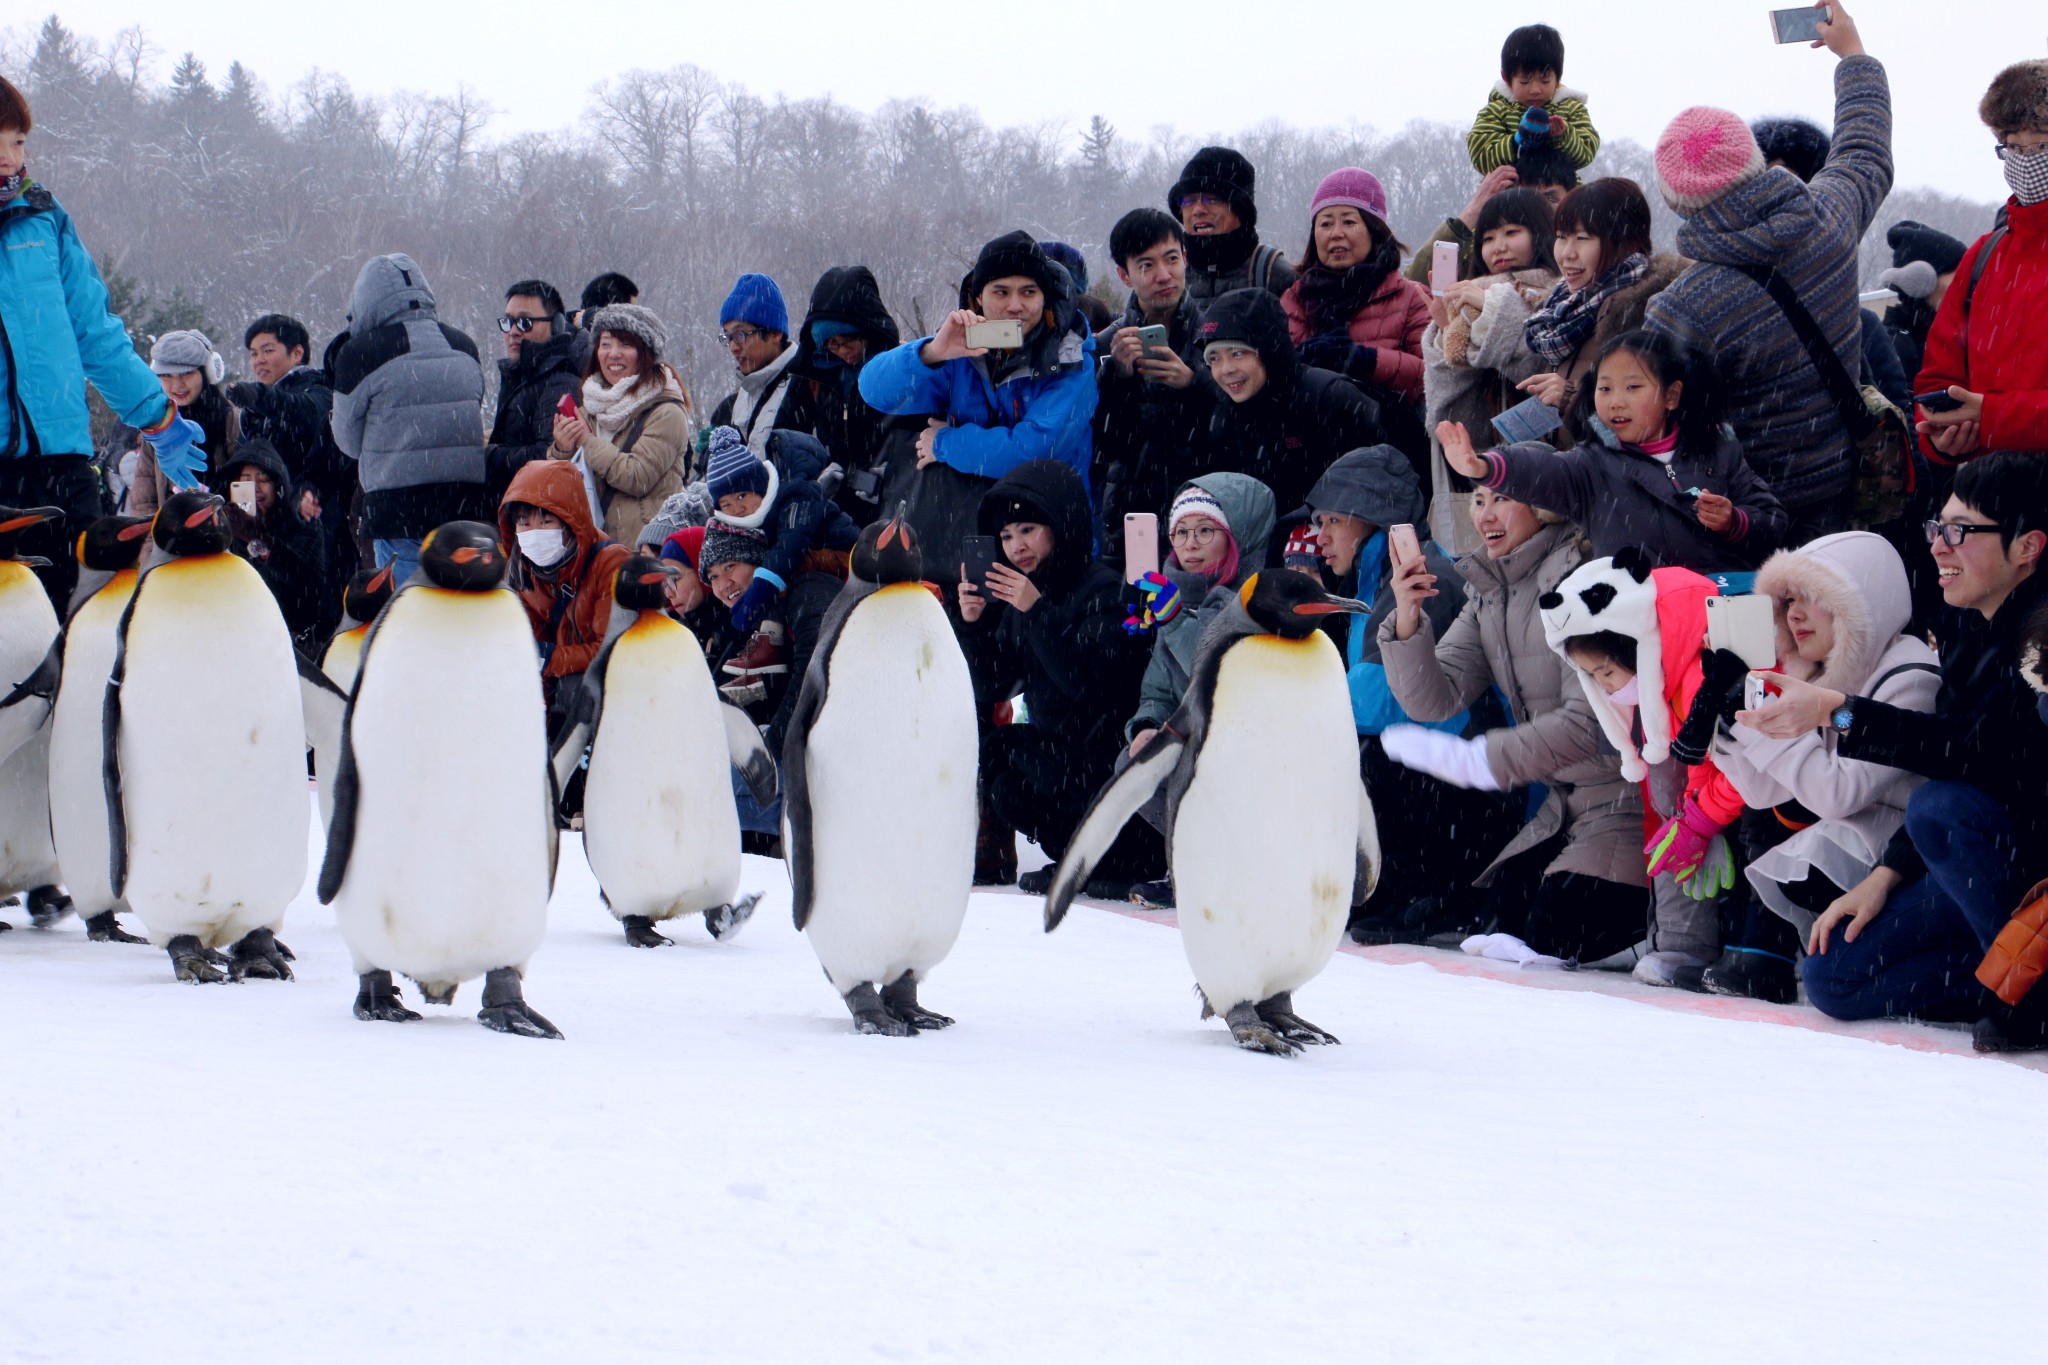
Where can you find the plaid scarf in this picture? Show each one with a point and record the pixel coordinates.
(1566, 319)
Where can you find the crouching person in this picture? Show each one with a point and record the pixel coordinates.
(562, 567)
(280, 535)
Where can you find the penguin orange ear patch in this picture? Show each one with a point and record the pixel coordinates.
(197, 519)
(382, 580)
(888, 534)
(1244, 594)
(135, 532)
(16, 523)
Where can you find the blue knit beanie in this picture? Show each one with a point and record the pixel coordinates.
(756, 301)
(733, 467)
(1060, 253)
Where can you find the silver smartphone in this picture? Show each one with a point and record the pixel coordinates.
(1800, 25)
(1003, 334)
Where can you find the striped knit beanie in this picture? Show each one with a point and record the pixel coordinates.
(1193, 501)
(733, 468)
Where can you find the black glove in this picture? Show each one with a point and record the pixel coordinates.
(1723, 673)
(1330, 351)
(246, 393)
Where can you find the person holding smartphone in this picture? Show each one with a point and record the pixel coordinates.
(273, 530)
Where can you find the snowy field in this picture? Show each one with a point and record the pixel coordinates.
(713, 1166)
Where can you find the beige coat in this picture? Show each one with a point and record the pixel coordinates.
(1497, 641)
(634, 482)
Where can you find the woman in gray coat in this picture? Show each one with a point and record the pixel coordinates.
(1570, 884)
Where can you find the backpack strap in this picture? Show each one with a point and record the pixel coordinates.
(1263, 257)
(1970, 293)
(638, 426)
(1842, 388)
(1891, 673)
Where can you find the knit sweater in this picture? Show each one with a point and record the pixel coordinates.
(1491, 143)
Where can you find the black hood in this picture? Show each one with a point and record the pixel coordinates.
(848, 295)
(1254, 318)
(1051, 493)
(264, 456)
(560, 351)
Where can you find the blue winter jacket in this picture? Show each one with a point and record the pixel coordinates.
(56, 334)
(1042, 412)
(1373, 707)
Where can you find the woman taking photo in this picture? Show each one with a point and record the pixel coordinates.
(633, 427)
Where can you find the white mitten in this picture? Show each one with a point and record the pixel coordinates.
(1460, 762)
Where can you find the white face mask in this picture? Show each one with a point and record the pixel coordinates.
(546, 547)
(1627, 696)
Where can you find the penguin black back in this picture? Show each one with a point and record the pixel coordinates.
(15, 522)
(888, 553)
(191, 523)
(1290, 604)
(464, 556)
(641, 583)
(112, 544)
(367, 592)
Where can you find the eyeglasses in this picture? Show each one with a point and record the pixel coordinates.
(1191, 201)
(1195, 535)
(512, 322)
(740, 336)
(2009, 151)
(1951, 533)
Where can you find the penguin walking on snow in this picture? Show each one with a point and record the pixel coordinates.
(361, 600)
(28, 629)
(109, 551)
(441, 852)
(1270, 828)
(659, 825)
(878, 802)
(205, 753)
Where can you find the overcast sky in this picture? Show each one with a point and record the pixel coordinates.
(1204, 66)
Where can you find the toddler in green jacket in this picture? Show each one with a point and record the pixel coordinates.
(1529, 108)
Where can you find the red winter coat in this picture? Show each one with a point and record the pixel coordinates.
(1681, 626)
(2008, 337)
(1393, 322)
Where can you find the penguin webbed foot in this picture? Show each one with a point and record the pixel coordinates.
(47, 906)
(899, 997)
(105, 927)
(1278, 1013)
(724, 922)
(259, 955)
(1254, 1034)
(194, 962)
(378, 999)
(870, 1015)
(505, 1008)
(640, 933)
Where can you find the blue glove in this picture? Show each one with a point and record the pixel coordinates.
(179, 453)
(1158, 602)
(1534, 129)
(746, 613)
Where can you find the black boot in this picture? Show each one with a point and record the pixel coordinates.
(377, 998)
(1753, 974)
(505, 1008)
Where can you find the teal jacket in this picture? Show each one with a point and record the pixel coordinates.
(1373, 707)
(56, 334)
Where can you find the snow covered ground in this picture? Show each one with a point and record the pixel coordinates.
(714, 1167)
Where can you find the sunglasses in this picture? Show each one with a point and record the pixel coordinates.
(1952, 533)
(522, 325)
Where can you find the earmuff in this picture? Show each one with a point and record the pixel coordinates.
(216, 367)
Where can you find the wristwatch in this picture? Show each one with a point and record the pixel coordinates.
(1844, 716)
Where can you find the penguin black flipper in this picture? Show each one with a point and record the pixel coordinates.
(323, 705)
(1107, 815)
(110, 748)
(1367, 879)
(579, 723)
(750, 756)
(26, 709)
(341, 827)
(796, 783)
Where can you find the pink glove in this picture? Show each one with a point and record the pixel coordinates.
(1681, 845)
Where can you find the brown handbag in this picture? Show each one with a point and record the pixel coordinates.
(2019, 955)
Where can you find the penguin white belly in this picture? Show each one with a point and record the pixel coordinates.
(1265, 838)
(891, 765)
(78, 788)
(659, 825)
(28, 626)
(448, 872)
(344, 654)
(212, 751)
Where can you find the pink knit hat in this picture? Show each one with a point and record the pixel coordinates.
(1704, 154)
(1361, 190)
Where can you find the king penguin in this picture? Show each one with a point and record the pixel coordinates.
(367, 592)
(441, 853)
(879, 773)
(1270, 829)
(28, 630)
(205, 753)
(659, 825)
(108, 552)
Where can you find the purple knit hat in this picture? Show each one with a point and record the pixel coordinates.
(1702, 155)
(1361, 190)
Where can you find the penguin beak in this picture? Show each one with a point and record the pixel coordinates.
(1330, 606)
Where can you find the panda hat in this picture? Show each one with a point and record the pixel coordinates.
(1617, 594)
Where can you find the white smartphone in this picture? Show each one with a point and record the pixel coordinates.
(1443, 267)
(243, 494)
(1747, 625)
(1800, 25)
(1403, 544)
(1141, 545)
(1004, 334)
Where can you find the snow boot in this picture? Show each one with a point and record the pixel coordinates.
(1753, 974)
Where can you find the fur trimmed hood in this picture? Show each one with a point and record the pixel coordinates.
(1624, 311)
(1861, 581)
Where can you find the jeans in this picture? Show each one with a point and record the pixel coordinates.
(401, 552)
(755, 818)
(1966, 839)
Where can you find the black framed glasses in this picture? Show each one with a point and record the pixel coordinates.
(1952, 533)
(511, 323)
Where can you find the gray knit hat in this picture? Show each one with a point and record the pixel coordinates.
(724, 544)
(634, 321)
(1374, 483)
(179, 352)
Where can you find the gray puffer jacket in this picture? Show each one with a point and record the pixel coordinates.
(1497, 642)
(408, 406)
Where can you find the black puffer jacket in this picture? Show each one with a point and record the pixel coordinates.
(852, 431)
(1298, 424)
(288, 554)
(1146, 434)
(1078, 669)
(528, 391)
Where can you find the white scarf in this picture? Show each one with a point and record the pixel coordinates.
(613, 406)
